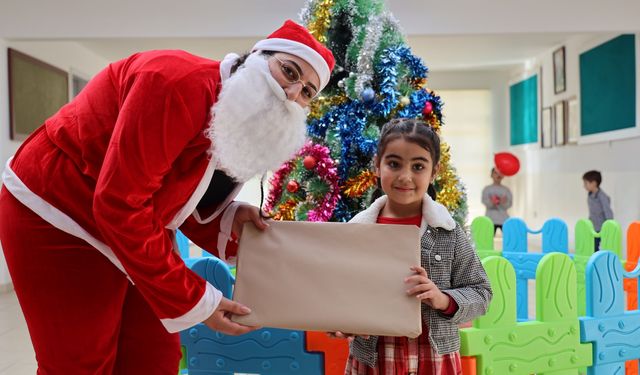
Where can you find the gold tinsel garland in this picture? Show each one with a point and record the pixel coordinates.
(358, 185)
(418, 83)
(449, 194)
(317, 106)
(432, 120)
(285, 211)
(321, 20)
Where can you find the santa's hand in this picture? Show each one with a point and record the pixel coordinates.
(247, 213)
(220, 319)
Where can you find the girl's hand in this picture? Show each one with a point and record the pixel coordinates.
(246, 213)
(342, 335)
(425, 290)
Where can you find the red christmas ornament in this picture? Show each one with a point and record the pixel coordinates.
(293, 186)
(506, 163)
(309, 162)
(428, 108)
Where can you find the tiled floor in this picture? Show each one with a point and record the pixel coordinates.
(16, 353)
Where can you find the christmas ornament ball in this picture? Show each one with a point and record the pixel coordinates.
(309, 162)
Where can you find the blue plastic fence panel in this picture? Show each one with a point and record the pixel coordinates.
(614, 332)
(515, 247)
(265, 351)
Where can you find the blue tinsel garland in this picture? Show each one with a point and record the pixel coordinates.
(350, 118)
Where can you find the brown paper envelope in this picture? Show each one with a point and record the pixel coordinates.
(329, 277)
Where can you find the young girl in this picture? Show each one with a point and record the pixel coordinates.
(497, 198)
(450, 282)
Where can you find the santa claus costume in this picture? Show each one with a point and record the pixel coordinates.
(92, 199)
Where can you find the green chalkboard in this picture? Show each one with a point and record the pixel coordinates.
(523, 97)
(608, 86)
(36, 91)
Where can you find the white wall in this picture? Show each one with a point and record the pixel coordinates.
(550, 181)
(64, 55)
(494, 81)
(474, 173)
(467, 130)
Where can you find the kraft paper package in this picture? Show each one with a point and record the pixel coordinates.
(329, 277)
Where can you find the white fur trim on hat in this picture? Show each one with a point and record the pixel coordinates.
(301, 50)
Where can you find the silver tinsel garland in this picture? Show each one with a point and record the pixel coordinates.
(370, 45)
(305, 13)
(364, 67)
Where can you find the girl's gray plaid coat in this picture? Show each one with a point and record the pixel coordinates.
(452, 264)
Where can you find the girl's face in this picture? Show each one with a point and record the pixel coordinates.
(405, 170)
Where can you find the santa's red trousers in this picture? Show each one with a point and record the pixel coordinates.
(83, 315)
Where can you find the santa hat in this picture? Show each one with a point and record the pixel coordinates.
(296, 40)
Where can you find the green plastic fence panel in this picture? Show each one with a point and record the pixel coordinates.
(610, 239)
(482, 232)
(556, 300)
(502, 309)
(182, 369)
(548, 345)
(555, 296)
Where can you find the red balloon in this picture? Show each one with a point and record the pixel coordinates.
(506, 163)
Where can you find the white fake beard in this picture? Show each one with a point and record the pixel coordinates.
(254, 127)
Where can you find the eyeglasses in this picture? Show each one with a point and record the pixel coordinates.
(291, 73)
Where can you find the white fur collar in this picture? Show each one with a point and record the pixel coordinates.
(434, 214)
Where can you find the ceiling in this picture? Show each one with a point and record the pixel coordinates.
(449, 35)
(440, 53)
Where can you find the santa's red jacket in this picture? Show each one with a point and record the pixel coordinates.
(124, 164)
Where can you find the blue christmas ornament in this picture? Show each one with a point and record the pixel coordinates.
(368, 95)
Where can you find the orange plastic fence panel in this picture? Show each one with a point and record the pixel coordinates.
(468, 365)
(631, 287)
(633, 253)
(631, 367)
(336, 351)
(633, 242)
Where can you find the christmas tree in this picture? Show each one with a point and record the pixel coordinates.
(376, 79)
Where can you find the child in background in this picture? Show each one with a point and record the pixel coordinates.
(598, 202)
(497, 198)
(450, 281)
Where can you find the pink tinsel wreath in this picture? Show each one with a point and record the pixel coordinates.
(324, 168)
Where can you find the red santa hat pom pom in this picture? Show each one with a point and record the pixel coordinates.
(295, 39)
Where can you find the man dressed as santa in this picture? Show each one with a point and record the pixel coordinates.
(158, 141)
